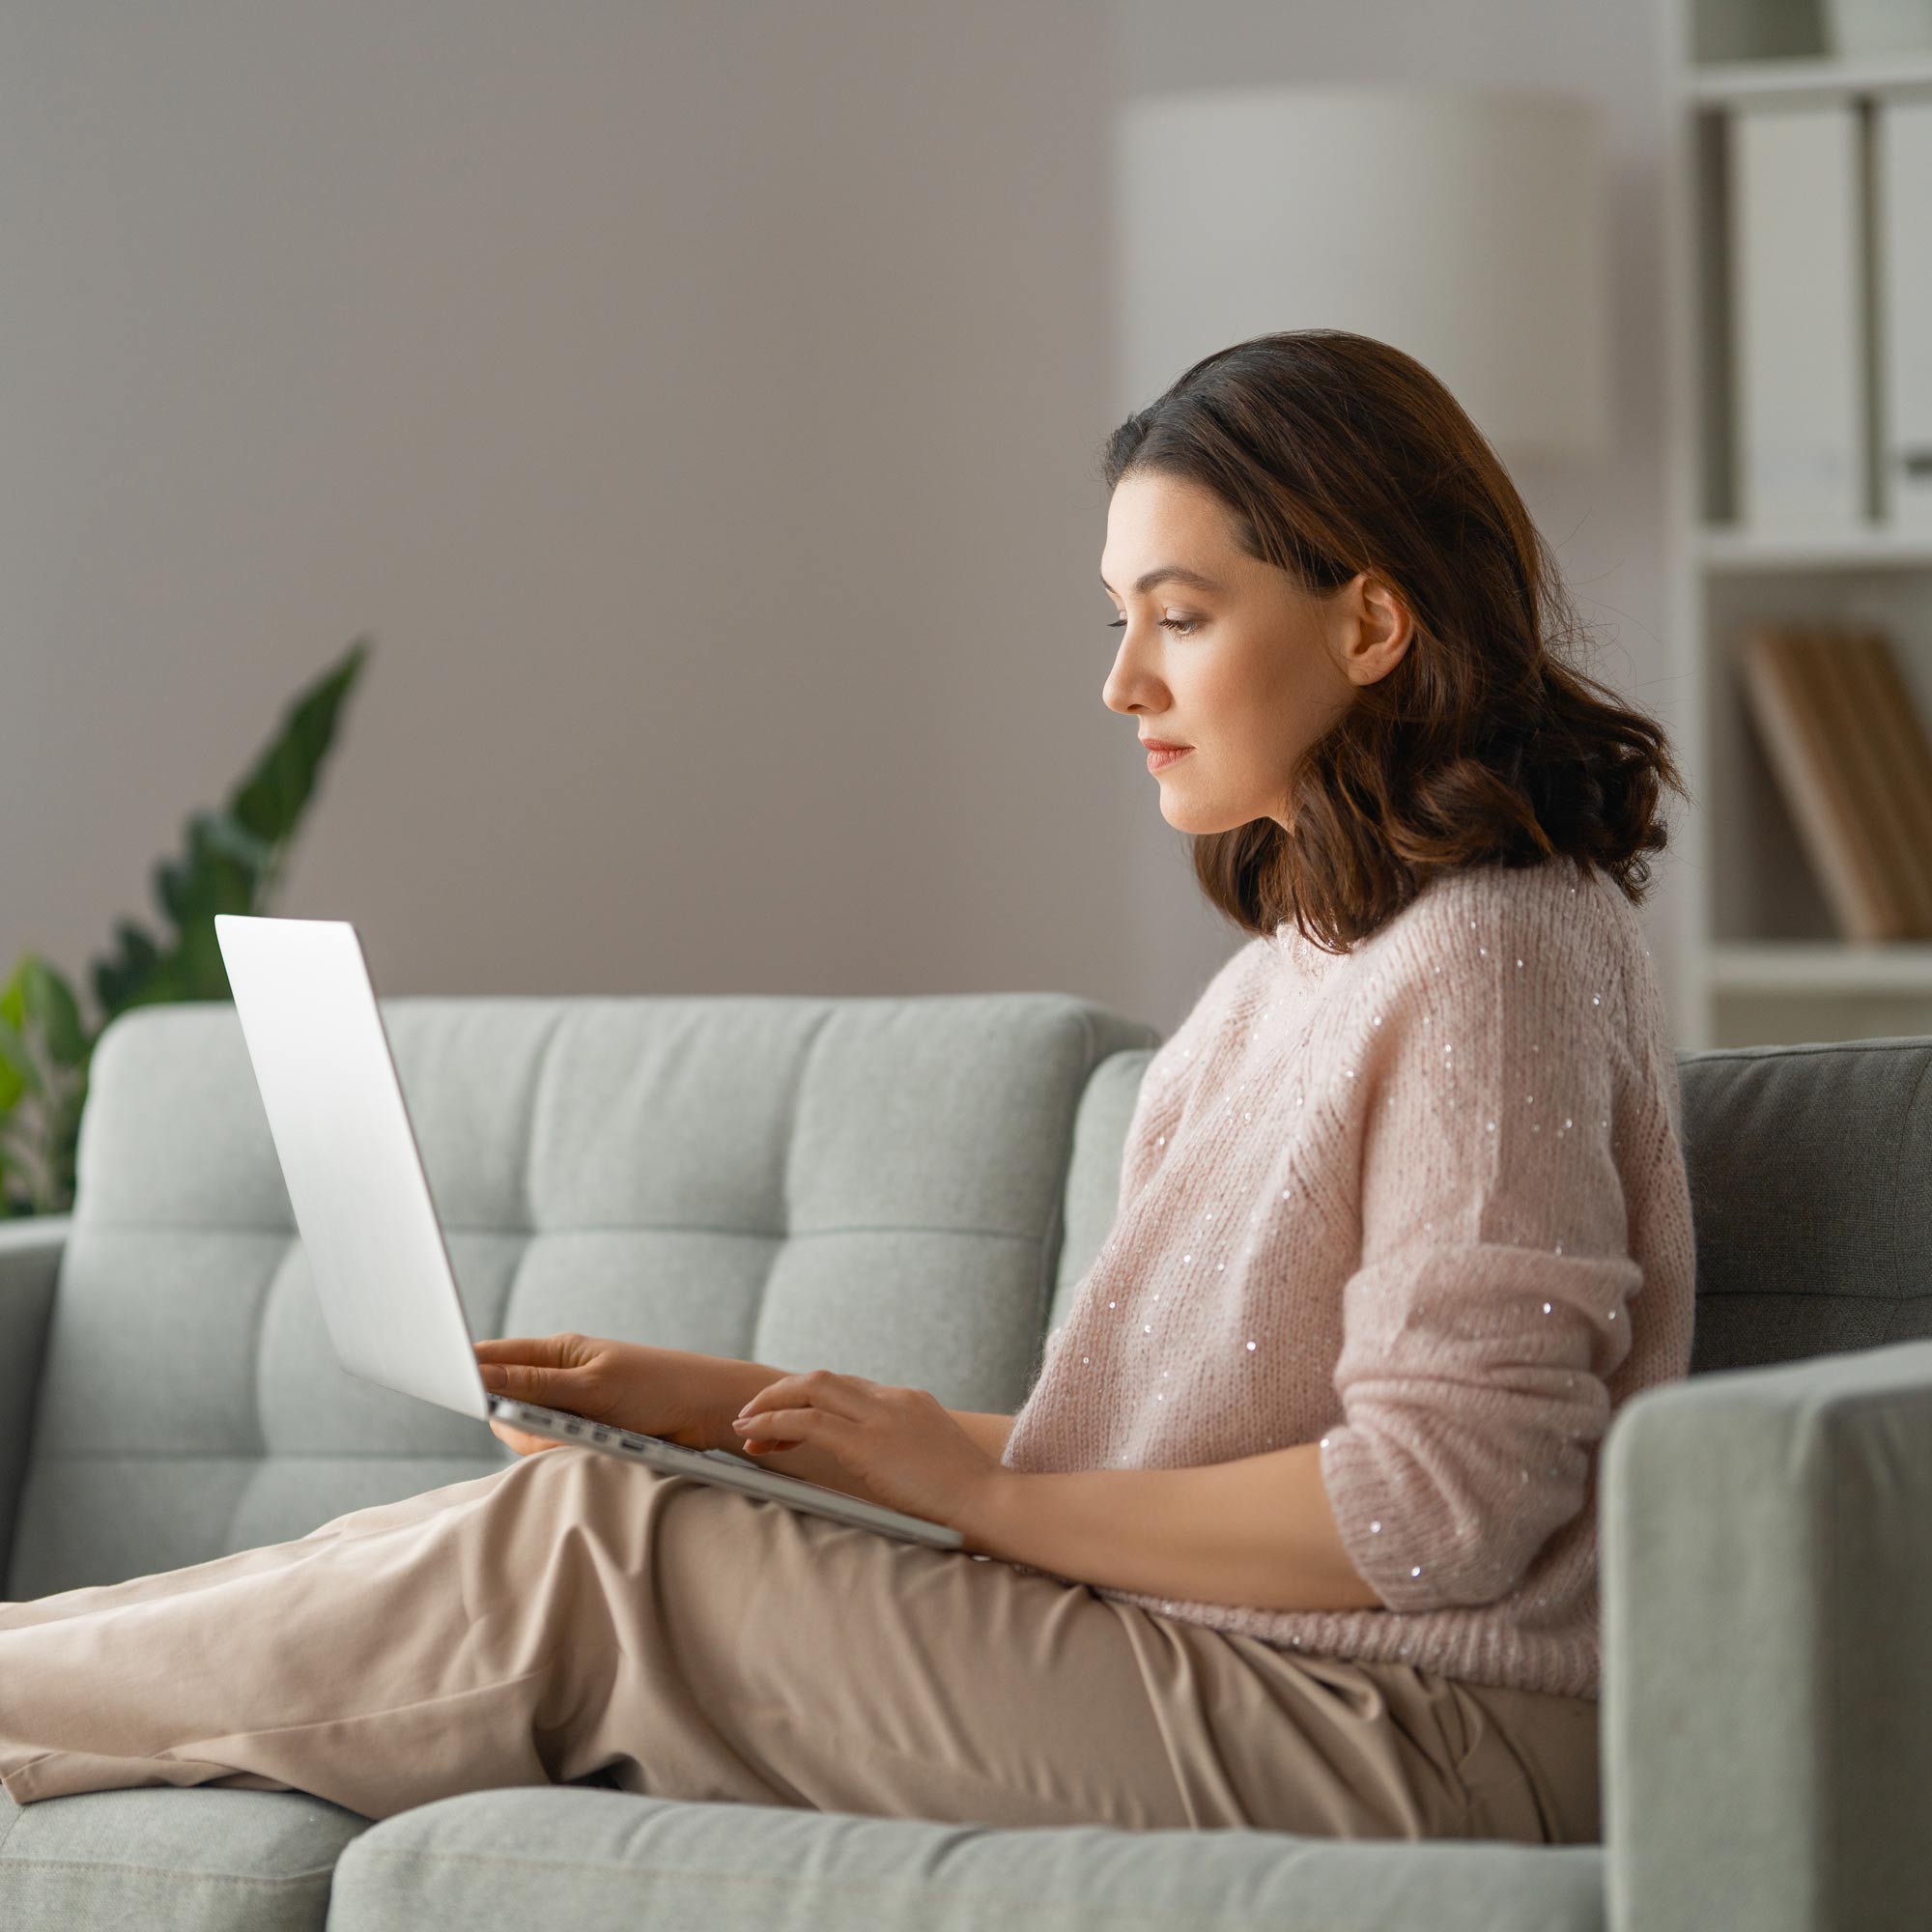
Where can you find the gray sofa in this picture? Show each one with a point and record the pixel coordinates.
(911, 1189)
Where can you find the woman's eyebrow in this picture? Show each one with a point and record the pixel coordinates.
(1160, 575)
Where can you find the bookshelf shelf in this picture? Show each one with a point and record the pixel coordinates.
(1764, 959)
(1729, 549)
(1721, 83)
(1827, 966)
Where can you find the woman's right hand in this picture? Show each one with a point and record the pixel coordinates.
(629, 1386)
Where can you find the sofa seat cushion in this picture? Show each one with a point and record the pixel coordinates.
(161, 1857)
(613, 1861)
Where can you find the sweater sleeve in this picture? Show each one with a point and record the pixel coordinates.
(1491, 1302)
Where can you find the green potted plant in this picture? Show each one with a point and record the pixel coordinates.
(234, 862)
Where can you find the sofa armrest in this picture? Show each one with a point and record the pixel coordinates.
(1766, 1692)
(31, 1247)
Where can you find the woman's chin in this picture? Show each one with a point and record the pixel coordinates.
(1185, 816)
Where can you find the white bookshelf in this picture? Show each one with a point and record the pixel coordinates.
(1762, 962)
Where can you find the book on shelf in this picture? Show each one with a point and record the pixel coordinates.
(1904, 760)
(1847, 745)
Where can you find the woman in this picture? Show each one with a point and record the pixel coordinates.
(1296, 1527)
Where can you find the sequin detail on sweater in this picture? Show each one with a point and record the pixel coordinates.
(1425, 1203)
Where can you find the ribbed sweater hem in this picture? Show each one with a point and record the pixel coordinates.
(1565, 1663)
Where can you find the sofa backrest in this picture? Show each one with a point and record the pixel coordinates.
(877, 1186)
(1812, 1197)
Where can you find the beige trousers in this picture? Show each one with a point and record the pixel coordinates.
(574, 1613)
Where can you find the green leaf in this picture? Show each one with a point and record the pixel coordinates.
(17, 1073)
(44, 1055)
(222, 833)
(52, 1011)
(269, 801)
(114, 980)
(232, 858)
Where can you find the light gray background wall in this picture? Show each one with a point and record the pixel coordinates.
(700, 407)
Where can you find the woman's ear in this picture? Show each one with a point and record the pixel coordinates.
(1379, 628)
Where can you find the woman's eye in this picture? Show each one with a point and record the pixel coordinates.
(1182, 627)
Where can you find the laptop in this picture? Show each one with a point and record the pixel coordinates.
(361, 1200)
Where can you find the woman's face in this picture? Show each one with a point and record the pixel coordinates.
(1242, 666)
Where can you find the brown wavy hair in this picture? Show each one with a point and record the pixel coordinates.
(1336, 454)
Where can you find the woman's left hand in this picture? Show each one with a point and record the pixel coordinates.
(902, 1443)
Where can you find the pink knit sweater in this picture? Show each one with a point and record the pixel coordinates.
(1424, 1202)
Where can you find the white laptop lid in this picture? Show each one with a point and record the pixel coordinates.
(350, 1159)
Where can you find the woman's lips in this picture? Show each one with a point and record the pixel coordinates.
(1158, 760)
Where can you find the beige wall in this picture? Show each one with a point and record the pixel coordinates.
(700, 407)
